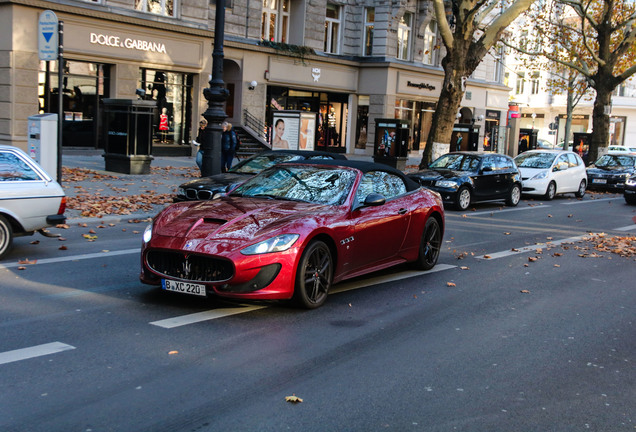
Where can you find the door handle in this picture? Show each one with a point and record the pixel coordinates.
(402, 211)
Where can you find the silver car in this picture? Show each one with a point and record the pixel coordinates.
(30, 199)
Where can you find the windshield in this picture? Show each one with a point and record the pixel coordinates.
(615, 161)
(535, 160)
(314, 184)
(258, 163)
(456, 162)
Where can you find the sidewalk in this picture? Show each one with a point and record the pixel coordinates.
(110, 197)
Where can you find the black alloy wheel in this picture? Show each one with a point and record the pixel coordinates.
(430, 245)
(314, 276)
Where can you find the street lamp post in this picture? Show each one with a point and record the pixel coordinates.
(216, 95)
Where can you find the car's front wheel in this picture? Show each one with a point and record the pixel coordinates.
(550, 193)
(463, 198)
(580, 193)
(314, 276)
(515, 196)
(630, 199)
(430, 245)
(6, 236)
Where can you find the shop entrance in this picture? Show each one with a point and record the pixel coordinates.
(84, 86)
(332, 109)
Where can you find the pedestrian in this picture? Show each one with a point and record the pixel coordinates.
(228, 146)
(197, 142)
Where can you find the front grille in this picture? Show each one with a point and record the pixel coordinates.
(198, 194)
(190, 267)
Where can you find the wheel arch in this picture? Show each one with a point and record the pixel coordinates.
(15, 225)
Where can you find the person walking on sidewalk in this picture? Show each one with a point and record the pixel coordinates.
(228, 146)
(197, 142)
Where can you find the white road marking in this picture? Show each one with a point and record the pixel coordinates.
(76, 257)
(225, 312)
(203, 316)
(626, 228)
(588, 201)
(525, 249)
(487, 212)
(34, 351)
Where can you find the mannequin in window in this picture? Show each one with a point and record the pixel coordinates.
(331, 124)
(163, 124)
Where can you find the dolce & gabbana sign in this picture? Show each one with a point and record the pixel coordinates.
(127, 43)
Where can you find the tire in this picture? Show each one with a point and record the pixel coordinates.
(550, 192)
(6, 236)
(430, 245)
(630, 199)
(462, 201)
(514, 196)
(313, 276)
(580, 193)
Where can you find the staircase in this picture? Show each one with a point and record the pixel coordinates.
(252, 135)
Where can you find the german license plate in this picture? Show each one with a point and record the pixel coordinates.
(602, 181)
(183, 287)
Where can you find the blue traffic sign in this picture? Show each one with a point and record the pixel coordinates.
(48, 45)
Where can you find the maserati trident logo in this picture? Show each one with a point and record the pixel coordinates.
(187, 267)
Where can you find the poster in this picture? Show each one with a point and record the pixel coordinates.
(285, 131)
(307, 131)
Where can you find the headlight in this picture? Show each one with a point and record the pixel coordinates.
(147, 233)
(275, 244)
(631, 181)
(540, 176)
(181, 191)
(446, 184)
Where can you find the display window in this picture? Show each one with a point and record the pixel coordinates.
(83, 87)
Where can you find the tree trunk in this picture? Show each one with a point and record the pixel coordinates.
(600, 123)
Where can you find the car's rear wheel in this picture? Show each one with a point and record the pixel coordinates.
(430, 245)
(314, 276)
(6, 236)
(630, 199)
(550, 193)
(580, 193)
(463, 198)
(515, 196)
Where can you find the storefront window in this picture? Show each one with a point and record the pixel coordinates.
(362, 123)
(84, 86)
(159, 7)
(617, 130)
(173, 93)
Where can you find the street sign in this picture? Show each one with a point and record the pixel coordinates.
(48, 36)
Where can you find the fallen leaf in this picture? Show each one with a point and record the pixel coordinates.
(557, 265)
(293, 399)
(62, 247)
(62, 226)
(450, 284)
(173, 352)
(525, 291)
(21, 268)
(506, 233)
(27, 262)
(35, 242)
(464, 268)
(532, 259)
(487, 256)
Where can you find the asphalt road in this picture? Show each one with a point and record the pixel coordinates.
(521, 327)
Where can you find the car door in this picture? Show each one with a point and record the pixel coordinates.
(562, 175)
(486, 179)
(507, 172)
(380, 230)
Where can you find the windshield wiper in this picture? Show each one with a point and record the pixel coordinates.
(262, 195)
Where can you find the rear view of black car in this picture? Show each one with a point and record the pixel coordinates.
(206, 188)
(610, 172)
(463, 178)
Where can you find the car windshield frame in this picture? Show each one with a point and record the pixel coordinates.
(456, 162)
(538, 160)
(316, 184)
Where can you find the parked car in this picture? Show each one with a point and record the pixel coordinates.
(545, 144)
(609, 172)
(294, 230)
(206, 188)
(30, 200)
(552, 172)
(462, 178)
(620, 149)
(630, 190)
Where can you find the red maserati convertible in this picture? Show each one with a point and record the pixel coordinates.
(294, 230)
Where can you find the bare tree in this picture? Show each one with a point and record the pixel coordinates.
(477, 27)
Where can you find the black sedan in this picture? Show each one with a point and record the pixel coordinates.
(463, 178)
(610, 172)
(205, 188)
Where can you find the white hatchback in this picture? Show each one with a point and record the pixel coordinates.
(30, 199)
(552, 172)
(621, 150)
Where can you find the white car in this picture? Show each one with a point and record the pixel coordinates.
(30, 199)
(621, 150)
(552, 172)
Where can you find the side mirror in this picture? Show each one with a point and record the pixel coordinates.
(374, 199)
(486, 169)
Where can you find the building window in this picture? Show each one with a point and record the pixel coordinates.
(159, 7)
(332, 29)
(404, 36)
(369, 19)
(521, 81)
(275, 23)
(429, 56)
(534, 80)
